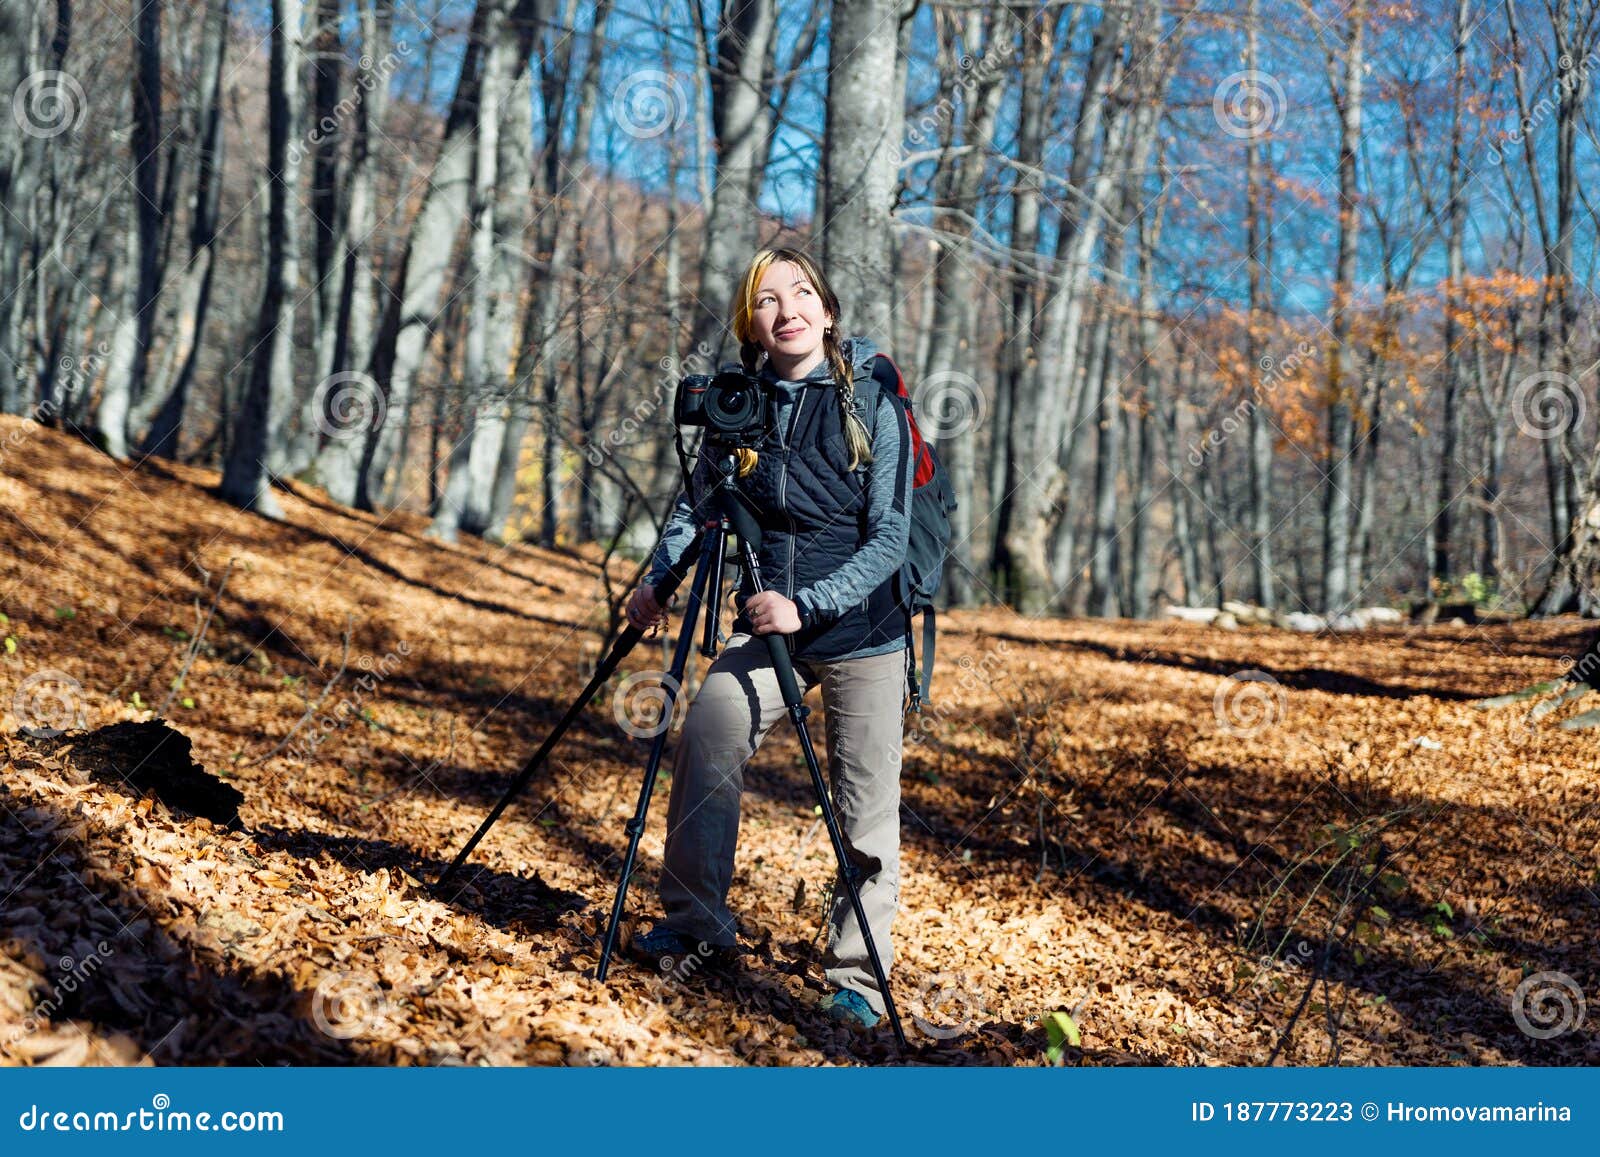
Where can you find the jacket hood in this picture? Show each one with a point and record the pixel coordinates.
(858, 352)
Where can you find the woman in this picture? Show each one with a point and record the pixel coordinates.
(832, 493)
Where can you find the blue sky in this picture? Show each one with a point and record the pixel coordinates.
(648, 78)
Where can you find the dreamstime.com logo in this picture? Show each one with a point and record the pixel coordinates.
(346, 1005)
(645, 702)
(949, 404)
(48, 703)
(47, 104)
(648, 103)
(160, 1117)
(681, 968)
(72, 975)
(1547, 1004)
(349, 404)
(1248, 703)
(1249, 104)
(947, 1005)
(1547, 405)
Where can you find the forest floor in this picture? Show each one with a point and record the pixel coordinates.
(1210, 847)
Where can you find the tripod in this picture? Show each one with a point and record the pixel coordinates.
(729, 513)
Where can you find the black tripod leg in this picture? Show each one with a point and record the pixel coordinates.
(705, 575)
(619, 651)
(744, 526)
(830, 820)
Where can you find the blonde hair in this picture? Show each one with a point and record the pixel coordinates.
(856, 437)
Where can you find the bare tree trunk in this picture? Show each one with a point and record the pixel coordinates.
(859, 161)
(949, 357)
(1337, 505)
(1257, 234)
(194, 293)
(1213, 500)
(125, 377)
(1366, 496)
(1573, 508)
(539, 339)
(1182, 518)
(1038, 418)
(745, 31)
(413, 304)
(1105, 569)
(1020, 373)
(1455, 218)
(345, 432)
(1144, 469)
(1104, 560)
(18, 33)
(473, 455)
(245, 479)
(327, 70)
(516, 165)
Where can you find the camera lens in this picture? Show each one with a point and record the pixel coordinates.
(732, 403)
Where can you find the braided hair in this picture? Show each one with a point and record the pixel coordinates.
(857, 439)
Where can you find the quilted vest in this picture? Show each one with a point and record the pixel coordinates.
(811, 508)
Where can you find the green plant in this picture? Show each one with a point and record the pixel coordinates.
(1060, 1031)
(1438, 917)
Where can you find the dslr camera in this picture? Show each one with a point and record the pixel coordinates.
(732, 405)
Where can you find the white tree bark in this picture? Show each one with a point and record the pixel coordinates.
(860, 162)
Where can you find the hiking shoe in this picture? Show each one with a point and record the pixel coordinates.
(668, 949)
(848, 1007)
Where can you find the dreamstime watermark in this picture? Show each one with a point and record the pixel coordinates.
(49, 703)
(348, 405)
(374, 673)
(1568, 80)
(971, 74)
(73, 374)
(1248, 703)
(648, 103)
(972, 676)
(1581, 670)
(367, 78)
(949, 404)
(47, 104)
(1547, 1004)
(680, 968)
(73, 975)
(662, 393)
(1249, 104)
(947, 1005)
(1292, 961)
(1548, 404)
(346, 1005)
(1274, 372)
(640, 703)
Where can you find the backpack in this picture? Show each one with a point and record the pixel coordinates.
(920, 576)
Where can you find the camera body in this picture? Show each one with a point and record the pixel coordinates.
(733, 406)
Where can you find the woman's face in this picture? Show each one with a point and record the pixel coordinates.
(789, 318)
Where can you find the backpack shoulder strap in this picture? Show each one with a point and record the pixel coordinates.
(928, 635)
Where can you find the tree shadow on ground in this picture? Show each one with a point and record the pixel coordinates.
(179, 1003)
(1329, 680)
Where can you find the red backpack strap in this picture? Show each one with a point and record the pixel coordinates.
(889, 378)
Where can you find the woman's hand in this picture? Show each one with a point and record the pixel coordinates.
(643, 611)
(772, 614)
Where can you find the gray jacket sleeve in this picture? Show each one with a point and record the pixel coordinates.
(888, 522)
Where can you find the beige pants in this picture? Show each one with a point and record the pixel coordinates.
(736, 706)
